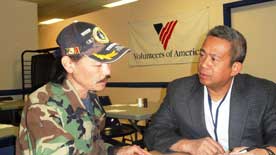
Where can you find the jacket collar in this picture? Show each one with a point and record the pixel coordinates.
(197, 108)
(72, 94)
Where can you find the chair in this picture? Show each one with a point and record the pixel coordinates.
(7, 145)
(36, 68)
(41, 69)
(113, 127)
(9, 116)
(5, 98)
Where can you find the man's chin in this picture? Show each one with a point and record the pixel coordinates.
(100, 86)
(205, 82)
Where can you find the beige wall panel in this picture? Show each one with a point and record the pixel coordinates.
(18, 32)
(258, 24)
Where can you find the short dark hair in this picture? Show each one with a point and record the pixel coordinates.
(59, 74)
(237, 40)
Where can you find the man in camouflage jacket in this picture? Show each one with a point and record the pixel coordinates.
(55, 121)
(64, 116)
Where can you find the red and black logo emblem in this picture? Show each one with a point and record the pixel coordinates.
(165, 32)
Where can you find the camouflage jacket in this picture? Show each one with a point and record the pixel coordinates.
(55, 121)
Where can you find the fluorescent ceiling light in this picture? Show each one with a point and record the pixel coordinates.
(118, 3)
(51, 21)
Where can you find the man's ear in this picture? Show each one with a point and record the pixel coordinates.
(236, 68)
(68, 64)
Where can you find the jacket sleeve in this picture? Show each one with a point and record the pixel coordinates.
(163, 130)
(41, 133)
(270, 118)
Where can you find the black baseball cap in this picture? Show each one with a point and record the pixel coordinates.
(81, 38)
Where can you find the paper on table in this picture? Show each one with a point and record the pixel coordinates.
(5, 125)
(120, 105)
(115, 110)
(9, 100)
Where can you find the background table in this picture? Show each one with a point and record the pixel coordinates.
(8, 130)
(10, 111)
(130, 111)
(11, 104)
(133, 114)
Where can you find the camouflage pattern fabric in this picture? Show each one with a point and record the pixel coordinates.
(55, 122)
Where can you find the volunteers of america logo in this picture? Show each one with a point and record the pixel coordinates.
(165, 33)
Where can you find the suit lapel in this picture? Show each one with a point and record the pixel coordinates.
(197, 111)
(238, 113)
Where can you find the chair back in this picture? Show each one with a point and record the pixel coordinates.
(7, 145)
(12, 116)
(41, 69)
(113, 127)
(6, 98)
(105, 100)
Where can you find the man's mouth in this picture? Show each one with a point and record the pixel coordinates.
(104, 80)
(203, 75)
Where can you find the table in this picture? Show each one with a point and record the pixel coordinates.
(12, 104)
(158, 153)
(8, 130)
(132, 113)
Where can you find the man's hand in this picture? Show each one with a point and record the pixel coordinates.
(202, 146)
(131, 150)
(256, 151)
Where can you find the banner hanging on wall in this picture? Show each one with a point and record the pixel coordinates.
(169, 40)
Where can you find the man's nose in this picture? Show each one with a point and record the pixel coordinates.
(205, 62)
(106, 69)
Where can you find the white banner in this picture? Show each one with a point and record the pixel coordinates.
(169, 40)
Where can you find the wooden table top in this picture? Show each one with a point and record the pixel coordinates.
(8, 130)
(11, 104)
(158, 153)
(130, 111)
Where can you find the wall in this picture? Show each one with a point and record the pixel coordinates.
(260, 34)
(18, 32)
(115, 23)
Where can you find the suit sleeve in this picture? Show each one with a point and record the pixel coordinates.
(163, 130)
(270, 118)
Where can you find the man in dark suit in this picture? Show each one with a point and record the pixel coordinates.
(217, 110)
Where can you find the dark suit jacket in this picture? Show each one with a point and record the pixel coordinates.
(252, 119)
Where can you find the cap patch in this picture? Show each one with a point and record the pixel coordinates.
(99, 35)
(71, 51)
(86, 32)
(89, 41)
(108, 56)
(109, 47)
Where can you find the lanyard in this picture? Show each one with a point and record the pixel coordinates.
(215, 122)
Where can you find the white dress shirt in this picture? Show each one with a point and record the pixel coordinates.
(222, 119)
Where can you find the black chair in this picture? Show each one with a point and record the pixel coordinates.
(6, 98)
(37, 67)
(7, 145)
(9, 116)
(41, 69)
(114, 128)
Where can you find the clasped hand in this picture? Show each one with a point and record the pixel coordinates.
(208, 146)
(132, 150)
